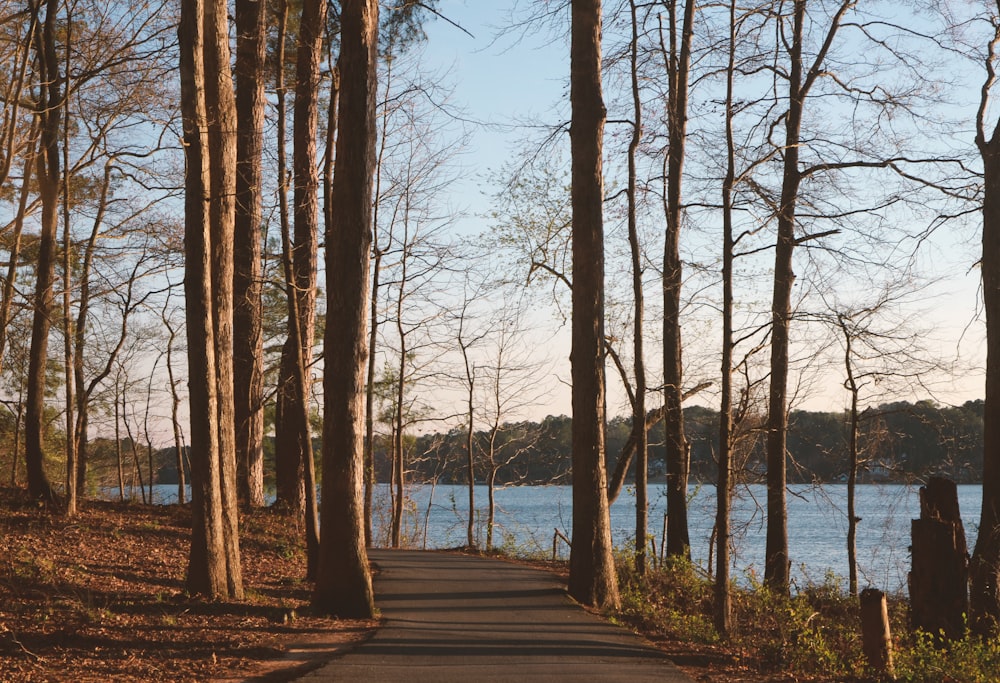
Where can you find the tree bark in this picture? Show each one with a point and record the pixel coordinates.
(248, 348)
(288, 465)
(938, 581)
(206, 563)
(343, 585)
(776, 562)
(678, 542)
(592, 577)
(48, 164)
(639, 433)
(984, 603)
(722, 609)
(208, 110)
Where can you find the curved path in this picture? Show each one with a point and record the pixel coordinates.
(451, 617)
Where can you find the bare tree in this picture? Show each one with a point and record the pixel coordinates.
(48, 174)
(592, 578)
(343, 585)
(984, 570)
(678, 58)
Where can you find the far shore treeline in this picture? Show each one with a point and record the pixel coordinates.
(901, 442)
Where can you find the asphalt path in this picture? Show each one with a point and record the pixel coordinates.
(449, 617)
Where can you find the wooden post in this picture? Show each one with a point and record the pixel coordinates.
(939, 578)
(875, 636)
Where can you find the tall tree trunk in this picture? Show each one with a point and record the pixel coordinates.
(248, 348)
(306, 197)
(984, 569)
(776, 562)
(852, 465)
(722, 612)
(209, 130)
(343, 585)
(678, 543)
(221, 109)
(50, 107)
(288, 465)
(72, 443)
(592, 577)
(639, 433)
(800, 81)
(293, 430)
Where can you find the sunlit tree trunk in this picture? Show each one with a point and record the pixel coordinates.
(48, 174)
(592, 577)
(343, 585)
(208, 110)
(248, 348)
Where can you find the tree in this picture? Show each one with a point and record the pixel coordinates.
(468, 336)
(800, 78)
(638, 396)
(248, 349)
(208, 109)
(48, 175)
(984, 569)
(343, 585)
(592, 578)
(678, 72)
(291, 427)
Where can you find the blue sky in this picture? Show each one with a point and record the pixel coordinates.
(507, 76)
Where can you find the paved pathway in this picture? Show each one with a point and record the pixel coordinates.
(451, 617)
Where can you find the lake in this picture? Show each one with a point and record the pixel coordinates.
(817, 524)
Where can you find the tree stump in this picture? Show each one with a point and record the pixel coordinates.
(939, 577)
(875, 636)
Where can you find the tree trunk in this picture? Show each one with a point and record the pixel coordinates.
(248, 349)
(343, 585)
(469, 460)
(639, 433)
(221, 109)
(984, 615)
(293, 431)
(48, 189)
(592, 578)
(776, 562)
(875, 635)
(678, 543)
(722, 609)
(289, 464)
(491, 514)
(852, 467)
(207, 108)
(938, 582)
(69, 378)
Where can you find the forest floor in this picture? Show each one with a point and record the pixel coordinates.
(100, 597)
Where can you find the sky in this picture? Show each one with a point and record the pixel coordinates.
(503, 78)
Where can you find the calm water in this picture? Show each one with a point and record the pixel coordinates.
(817, 524)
